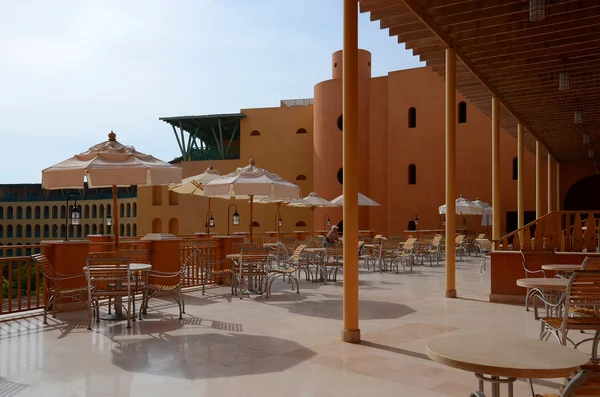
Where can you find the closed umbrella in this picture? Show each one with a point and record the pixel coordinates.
(113, 164)
(312, 201)
(249, 183)
(195, 185)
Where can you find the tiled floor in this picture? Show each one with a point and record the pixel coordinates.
(285, 346)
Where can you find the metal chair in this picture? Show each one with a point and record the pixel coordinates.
(532, 263)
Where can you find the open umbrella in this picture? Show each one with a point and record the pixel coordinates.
(267, 200)
(195, 185)
(113, 164)
(312, 201)
(464, 207)
(249, 183)
(363, 201)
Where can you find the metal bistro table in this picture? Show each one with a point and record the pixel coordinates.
(501, 359)
(562, 270)
(118, 314)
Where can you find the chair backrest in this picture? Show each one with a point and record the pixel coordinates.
(533, 260)
(103, 254)
(591, 263)
(389, 245)
(46, 268)
(408, 244)
(297, 253)
(583, 291)
(586, 382)
(236, 248)
(437, 240)
(107, 269)
(254, 255)
(480, 236)
(484, 244)
(459, 239)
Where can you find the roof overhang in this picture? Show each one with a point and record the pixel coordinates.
(502, 53)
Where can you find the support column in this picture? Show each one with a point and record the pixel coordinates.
(520, 180)
(496, 209)
(450, 172)
(550, 193)
(351, 332)
(557, 186)
(538, 179)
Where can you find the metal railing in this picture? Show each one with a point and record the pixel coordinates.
(21, 284)
(208, 260)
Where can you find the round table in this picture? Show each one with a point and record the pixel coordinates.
(505, 358)
(543, 283)
(562, 267)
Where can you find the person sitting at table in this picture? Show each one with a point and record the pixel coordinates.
(333, 236)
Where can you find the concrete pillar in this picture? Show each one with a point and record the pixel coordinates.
(351, 331)
(450, 172)
(550, 183)
(520, 179)
(557, 186)
(538, 179)
(496, 206)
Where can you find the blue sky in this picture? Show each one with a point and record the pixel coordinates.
(72, 70)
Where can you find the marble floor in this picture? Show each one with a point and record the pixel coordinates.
(287, 345)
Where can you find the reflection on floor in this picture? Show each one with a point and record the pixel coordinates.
(285, 346)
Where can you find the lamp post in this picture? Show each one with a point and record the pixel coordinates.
(327, 222)
(235, 220)
(75, 216)
(415, 218)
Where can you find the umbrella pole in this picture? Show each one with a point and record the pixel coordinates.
(251, 221)
(312, 225)
(277, 219)
(115, 216)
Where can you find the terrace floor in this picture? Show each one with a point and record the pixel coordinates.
(285, 346)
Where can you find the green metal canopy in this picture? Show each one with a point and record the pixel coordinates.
(209, 137)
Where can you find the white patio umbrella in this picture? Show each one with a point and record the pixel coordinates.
(266, 200)
(249, 183)
(312, 201)
(486, 217)
(363, 201)
(195, 185)
(463, 207)
(110, 164)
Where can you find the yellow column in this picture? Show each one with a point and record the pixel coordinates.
(351, 332)
(550, 194)
(520, 179)
(557, 186)
(496, 210)
(450, 172)
(538, 179)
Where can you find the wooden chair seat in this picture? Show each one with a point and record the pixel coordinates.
(580, 323)
(582, 311)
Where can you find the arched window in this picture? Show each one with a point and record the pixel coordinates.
(100, 229)
(134, 231)
(301, 131)
(28, 212)
(255, 224)
(340, 122)
(340, 176)
(255, 133)
(46, 212)
(101, 211)
(9, 212)
(121, 230)
(156, 195)
(412, 174)
(54, 212)
(128, 210)
(122, 210)
(38, 231)
(173, 226)
(19, 231)
(46, 231)
(9, 231)
(128, 229)
(86, 229)
(86, 211)
(94, 229)
(54, 231)
(462, 112)
(63, 212)
(28, 231)
(156, 225)
(1, 212)
(63, 231)
(1, 232)
(300, 224)
(412, 118)
(515, 169)
(301, 177)
(134, 210)
(94, 211)
(19, 212)
(38, 212)
(173, 198)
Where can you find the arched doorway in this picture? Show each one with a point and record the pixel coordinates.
(584, 195)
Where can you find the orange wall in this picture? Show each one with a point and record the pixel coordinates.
(387, 147)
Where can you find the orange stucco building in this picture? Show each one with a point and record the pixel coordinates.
(401, 156)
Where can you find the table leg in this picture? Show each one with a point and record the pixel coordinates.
(496, 381)
(118, 314)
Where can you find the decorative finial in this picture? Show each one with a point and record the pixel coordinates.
(252, 161)
(112, 136)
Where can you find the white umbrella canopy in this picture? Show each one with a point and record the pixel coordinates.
(252, 182)
(486, 219)
(278, 202)
(464, 207)
(363, 201)
(110, 163)
(194, 185)
(312, 201)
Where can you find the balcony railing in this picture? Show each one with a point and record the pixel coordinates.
(562, 231)
(21, 286)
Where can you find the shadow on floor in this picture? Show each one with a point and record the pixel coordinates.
(203, 355)
(332, 309)
(9, 389)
